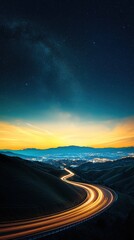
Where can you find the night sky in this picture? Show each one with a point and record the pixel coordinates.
(66, 73)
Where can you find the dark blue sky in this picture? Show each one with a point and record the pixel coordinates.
(72, 56)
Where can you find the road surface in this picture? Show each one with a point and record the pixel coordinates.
(97, 199)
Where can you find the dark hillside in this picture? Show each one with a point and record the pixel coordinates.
(29, 190)
(118, 174)
(118, 221)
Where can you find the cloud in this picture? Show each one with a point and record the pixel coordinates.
(122, 134)
(67, 132)
(21, 136)
(39, 130)
(124, 142)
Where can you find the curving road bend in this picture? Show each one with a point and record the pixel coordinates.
(97, 199)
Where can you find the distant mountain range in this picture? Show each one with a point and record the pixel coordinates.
(72, 151)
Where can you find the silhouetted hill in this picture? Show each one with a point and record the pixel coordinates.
(28, 189)
(118, 221)
(127, 161)
(68, 150)
(117, 174)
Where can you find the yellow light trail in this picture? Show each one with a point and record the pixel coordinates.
(97, 199)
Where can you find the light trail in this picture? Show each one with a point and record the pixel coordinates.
(97, 199)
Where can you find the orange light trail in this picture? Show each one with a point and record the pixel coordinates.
(97, 199)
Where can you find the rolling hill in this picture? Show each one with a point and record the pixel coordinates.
(118, 221)
(28, 189)
(118, 175)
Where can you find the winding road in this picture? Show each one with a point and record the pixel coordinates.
(97, 199)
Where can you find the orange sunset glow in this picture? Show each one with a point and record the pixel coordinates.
(64, 133)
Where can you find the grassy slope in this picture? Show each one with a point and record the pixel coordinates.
(118, 221)
(28, 190)
(119, 174)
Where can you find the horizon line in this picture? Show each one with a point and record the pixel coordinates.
(21, 149)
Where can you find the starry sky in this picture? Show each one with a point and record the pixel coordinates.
(66, 73)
